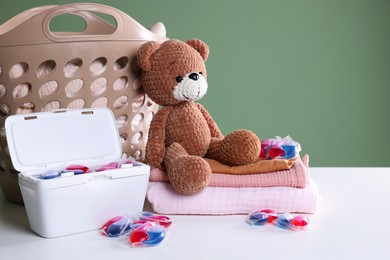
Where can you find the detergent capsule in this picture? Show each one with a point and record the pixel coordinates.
(116, 226)
(283, 220)
(77, 167)
(51, 174)
(145, 216)
(299, 222)
(258, 218)
(272, 214)
(147, 234)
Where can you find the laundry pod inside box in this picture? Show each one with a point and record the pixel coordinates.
(43, 142)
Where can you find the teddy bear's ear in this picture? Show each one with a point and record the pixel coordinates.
(145, 52)
(200, 46)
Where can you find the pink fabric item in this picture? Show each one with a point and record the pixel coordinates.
(296, 177)
(227, 201)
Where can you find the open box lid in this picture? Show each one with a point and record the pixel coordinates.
(54, 139)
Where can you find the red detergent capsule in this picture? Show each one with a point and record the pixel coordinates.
(139, 235)
(148, 234)
(276, 152)
(110, 166)
(272, 214)
(74, 167)
(299, 222)
(265, 146)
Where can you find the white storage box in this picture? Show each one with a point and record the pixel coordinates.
(41, 142)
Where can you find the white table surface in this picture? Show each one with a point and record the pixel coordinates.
(352, 223)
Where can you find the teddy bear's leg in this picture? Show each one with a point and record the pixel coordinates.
(238, 148)
(188, 174)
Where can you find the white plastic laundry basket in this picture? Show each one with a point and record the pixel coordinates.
(44, 70)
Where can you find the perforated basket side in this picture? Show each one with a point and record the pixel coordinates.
(61, 71)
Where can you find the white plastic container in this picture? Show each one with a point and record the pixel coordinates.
(40, 142)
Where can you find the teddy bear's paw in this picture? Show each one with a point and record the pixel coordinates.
(189, 174)
(241, 147)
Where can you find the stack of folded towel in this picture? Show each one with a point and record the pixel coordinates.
(281, 185)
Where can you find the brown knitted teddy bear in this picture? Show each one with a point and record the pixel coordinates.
(182, 132)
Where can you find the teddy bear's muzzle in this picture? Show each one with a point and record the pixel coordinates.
(193, 86)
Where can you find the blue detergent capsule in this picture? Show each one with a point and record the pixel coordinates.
(51, 174)
(118, 228)
(283, 220)
(291, 151)
(156, 235)
(258, 218)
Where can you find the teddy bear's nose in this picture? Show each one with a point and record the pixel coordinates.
(194, 76)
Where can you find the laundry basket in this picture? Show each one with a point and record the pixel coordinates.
(45, 70)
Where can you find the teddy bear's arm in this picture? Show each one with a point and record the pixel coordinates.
(155, 147)
(214, 129)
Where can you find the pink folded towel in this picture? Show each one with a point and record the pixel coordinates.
(296, 177)
(284, 191)
(224, 201)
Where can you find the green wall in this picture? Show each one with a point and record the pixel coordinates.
(316, 70)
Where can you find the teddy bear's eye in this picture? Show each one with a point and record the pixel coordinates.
(200, 73)
(179, 79)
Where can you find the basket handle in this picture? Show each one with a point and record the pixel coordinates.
(96, 28)
(35, 28)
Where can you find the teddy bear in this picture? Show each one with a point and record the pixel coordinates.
(182, 133)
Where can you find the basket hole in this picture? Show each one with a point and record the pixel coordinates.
(4, 110)
(120, 83)
(100, 102)
(26, 108)
(3, 90)
(77, 104)
(21, 90)
(138, 101)
(137, 138)
(99, 86)
(137, 120)
(123, 138)
(18, 70)
(136, 84)
(137, 154)
(149, 103)
(72, 67)
(48, 88)
(45, 68)
(121, 121)
(98, 66)
(120, 102)
(52, 105)
(121, 63)
(73, 87)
